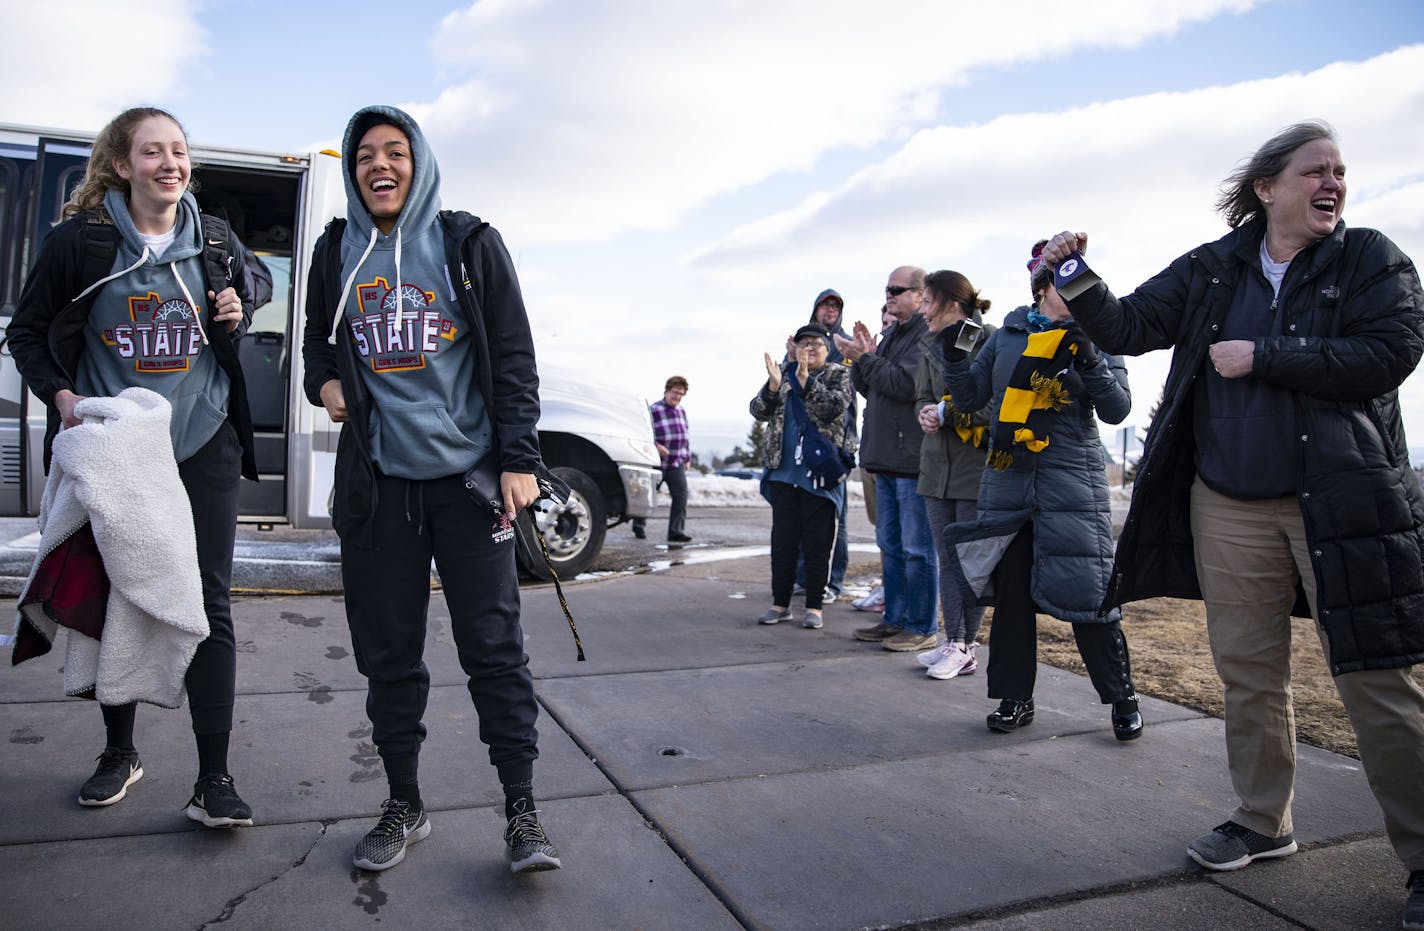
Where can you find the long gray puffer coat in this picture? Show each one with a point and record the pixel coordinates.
(1063, 489)
(1354, 313)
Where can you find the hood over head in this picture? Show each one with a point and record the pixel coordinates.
(422, 204)
(829, 292)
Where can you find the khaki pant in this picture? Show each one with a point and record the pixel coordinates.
(1249, 555)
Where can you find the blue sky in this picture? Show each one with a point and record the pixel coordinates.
(677, 181)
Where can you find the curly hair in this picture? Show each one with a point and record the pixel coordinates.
(1238, 202)
(112, 143)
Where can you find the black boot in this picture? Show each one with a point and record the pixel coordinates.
(1011, 715)
(1126, 719)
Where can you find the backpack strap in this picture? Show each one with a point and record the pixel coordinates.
(218, 255)
(99, 239)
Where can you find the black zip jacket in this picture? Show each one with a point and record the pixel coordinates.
(890, 436)
(508, 379)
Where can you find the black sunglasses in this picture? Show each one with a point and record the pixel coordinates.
(895, 290)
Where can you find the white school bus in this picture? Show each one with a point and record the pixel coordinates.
(597, 440)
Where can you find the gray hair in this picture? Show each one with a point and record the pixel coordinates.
(1238, 202)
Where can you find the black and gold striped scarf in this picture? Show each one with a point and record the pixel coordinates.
(1035, 389)
(963, 424)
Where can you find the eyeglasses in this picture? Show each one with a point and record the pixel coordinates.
(895, 290)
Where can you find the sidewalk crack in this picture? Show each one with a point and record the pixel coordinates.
(230, 908)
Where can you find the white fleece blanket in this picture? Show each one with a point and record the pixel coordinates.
(116, 470)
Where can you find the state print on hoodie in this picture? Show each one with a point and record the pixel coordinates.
(393, 342)
(162, 334)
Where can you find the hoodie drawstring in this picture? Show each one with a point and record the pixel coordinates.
(142, 257)
(398, 279)
(188, 295)
(336, 317)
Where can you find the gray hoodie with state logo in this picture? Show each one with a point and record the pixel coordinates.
(146, 328)
(428, 418)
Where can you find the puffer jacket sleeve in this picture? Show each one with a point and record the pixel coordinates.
(1106, 384)
(971, 383)
(1381, 339)
(1147, 319)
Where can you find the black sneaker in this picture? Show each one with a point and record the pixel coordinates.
(384, 845)
(677, 536)
(117, 770)
(1011, 715)
(529, 847)
(1414, 903)
(1231, 846)
(216, 804)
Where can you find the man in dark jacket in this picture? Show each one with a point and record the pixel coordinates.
(890, 447)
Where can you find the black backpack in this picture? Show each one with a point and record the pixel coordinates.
(224, 258)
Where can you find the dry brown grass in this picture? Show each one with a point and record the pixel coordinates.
(1166, 638)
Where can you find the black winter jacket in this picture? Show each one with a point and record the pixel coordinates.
(504, 347)
(46, 335)
(1354, 317)
(890, 436)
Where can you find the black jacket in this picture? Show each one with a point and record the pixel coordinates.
(504, 353)
(1354, 317)
(46, 335)
(890, 436)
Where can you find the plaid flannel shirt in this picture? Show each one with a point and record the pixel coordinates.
(670, 429)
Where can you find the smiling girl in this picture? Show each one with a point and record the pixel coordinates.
(145, 324)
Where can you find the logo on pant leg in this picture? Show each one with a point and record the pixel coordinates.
(503, 529)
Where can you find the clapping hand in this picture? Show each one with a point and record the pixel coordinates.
(773, 373)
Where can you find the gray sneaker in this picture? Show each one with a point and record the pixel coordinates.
(529, 848)
(384, 845)
(811, 621)
(774, 616)
(1230, 846)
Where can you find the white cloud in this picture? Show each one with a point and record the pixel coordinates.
(581, 122)
(1139, 174)
(76, 63)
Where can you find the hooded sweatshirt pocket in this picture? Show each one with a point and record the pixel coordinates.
(422, 441)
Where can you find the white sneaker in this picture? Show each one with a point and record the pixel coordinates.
(875, 601)
(930, 657)
(958, 662)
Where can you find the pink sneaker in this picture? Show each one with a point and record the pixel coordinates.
(957, 662)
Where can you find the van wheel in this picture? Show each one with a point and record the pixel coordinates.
(573, 534)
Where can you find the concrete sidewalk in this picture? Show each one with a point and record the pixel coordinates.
(699, 771)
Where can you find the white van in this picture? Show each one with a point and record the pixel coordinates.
(597, 440)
